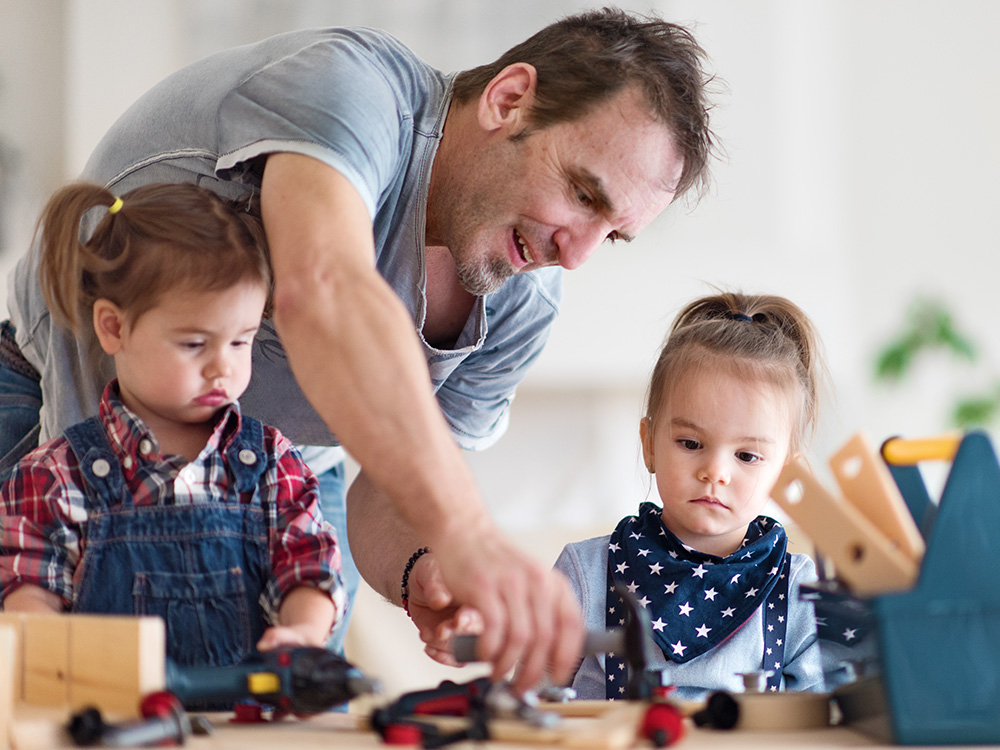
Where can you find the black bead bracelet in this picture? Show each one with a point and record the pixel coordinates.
(405, 584)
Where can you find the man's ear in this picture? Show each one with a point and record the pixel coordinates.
(109, 324)
(646, 438)
(507, 98)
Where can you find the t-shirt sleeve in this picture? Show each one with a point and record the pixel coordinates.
(330, 100)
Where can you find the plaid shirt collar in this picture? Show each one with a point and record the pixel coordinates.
(128, 434)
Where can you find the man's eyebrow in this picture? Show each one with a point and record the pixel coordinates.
(593, 183)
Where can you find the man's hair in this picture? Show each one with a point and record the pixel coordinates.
(587, 58)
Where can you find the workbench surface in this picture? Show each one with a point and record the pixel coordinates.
(337, 731)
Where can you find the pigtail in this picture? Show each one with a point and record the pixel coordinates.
(66, 259)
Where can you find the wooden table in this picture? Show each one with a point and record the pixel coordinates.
(333, 731)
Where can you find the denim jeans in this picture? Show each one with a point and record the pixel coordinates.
(333, 492)
(20, 402)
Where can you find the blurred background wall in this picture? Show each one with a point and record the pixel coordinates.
(862, 154)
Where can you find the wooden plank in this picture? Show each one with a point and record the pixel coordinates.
(8, 682)
(115, 661)
(46, 659)
(864, 558)
(867, 484)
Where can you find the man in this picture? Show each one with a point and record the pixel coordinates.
(397, 200)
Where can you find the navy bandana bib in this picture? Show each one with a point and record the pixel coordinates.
(695, 600)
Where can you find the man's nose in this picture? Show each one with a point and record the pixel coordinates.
(578, 242)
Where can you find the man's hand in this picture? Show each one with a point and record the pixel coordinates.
(525, 614)
(474, 580)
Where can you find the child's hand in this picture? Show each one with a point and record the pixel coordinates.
(287, 635)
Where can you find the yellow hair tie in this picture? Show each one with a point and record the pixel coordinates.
(116, 206)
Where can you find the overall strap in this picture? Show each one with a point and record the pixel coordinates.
(246, 456)
(100, 468)
(775, 626)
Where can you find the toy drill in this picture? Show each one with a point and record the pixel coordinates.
(303, 681)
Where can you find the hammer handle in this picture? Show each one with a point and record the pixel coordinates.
(596, 642)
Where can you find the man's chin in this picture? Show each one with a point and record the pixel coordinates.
(482, 282)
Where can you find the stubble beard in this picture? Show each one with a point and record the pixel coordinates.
(483, 277)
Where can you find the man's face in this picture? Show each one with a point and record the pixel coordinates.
(554, 195)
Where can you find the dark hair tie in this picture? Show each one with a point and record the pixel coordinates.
(741, 317)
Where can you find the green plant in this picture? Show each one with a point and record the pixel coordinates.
(929, 327)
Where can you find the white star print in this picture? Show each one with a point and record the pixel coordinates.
(728, 612)
(850, 634)
(778, 642)
(710, 595)
(614, 547)
(700, 571)
(655, 569)
(774, 571)
(679, 648)
(658, 624)
(622, 567)
(781, 618)
(644, 601)
(703, 631)
(735, 578)
(685, 609)
(635, 535)
(751, 593)
(670, 588)
(643, 552)
(632, 587)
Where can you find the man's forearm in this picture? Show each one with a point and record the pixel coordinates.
(381, 542)
(352, 346)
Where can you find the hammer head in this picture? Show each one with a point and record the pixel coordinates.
(638, 646)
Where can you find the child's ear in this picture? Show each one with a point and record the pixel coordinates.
(109, 322)
(646, 438)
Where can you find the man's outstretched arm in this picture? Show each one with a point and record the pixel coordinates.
(352, 347)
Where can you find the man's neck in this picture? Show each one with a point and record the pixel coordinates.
(448, 303)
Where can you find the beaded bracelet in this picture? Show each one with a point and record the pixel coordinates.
(405, 584)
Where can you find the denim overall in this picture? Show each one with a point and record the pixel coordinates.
(201, 568)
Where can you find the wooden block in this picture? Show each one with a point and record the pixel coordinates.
(15, 621)
(615, 730)
(864, 559)
(38, 728)
(867, 484)
(46, 659)
(8, 685)
(115, 661)
(770, 712)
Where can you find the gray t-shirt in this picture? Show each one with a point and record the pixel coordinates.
(585, 564)
(360, 101)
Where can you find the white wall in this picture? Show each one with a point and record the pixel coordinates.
(862, 152)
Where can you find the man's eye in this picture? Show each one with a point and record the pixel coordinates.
(584, 198)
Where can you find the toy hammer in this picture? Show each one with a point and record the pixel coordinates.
(634, 641)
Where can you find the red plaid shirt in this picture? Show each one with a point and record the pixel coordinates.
(43, 509)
